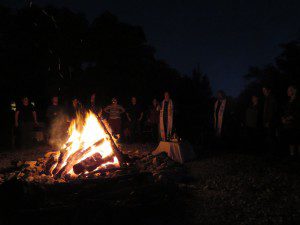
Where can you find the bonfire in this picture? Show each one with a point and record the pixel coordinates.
(89, 151)
(88, 148)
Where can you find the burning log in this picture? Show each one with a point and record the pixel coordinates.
(73, 159)
(50, 164)
(91, 163)
(121, 157)
(62, 158)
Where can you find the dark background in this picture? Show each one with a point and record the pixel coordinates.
(224, 38)
(47, 50)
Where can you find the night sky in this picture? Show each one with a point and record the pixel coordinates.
(223, 37)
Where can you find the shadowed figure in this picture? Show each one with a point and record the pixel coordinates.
(134, 115)
(153, 119)
(291, 122)
(270, 116)
(25, 120)
(115, 111)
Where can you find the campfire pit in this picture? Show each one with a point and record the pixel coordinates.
(89, 152)
(89, 169)
(89, 147)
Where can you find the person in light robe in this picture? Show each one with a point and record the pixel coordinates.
(220, 114)
(166, 117)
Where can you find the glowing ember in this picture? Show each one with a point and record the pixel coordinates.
(87, 149)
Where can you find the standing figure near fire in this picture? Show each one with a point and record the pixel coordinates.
(53, 110)
(134, 115)
(291, 121)
(74, 109)
(55, 122)
(93, 106)
(153, 118)
(222, 114)
(25, 119)
(166, 117)
(114, 112)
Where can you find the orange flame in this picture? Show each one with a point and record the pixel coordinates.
(83, 134)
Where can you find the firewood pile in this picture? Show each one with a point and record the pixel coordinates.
(160, 167)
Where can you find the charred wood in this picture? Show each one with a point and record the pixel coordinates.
(73, 159)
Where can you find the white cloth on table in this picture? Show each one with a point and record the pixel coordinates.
(179, 152)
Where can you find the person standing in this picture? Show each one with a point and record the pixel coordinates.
(74, 109)
(291, 121)
(93, 107)
(56, 123)
(134, 115)
(252, 113)
(115, 112)
(25, 120)
(270, 113)
(221, 114)
(166, 117)
(153, 118)
(53, 111)
(252, 121)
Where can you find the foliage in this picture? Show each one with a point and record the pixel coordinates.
(48, 50)
(284, 72)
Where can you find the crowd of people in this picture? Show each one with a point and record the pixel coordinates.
(130, 124)
(265, 123)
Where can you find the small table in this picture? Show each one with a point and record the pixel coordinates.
(179, 152)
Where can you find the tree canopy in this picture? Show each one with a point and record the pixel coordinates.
(279, 75)
(48, 50)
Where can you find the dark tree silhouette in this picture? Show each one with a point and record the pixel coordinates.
(279, 75)
(46, 50)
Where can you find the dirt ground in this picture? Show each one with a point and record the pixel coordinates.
(225, 188)
(244, 189)
(7, 157)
